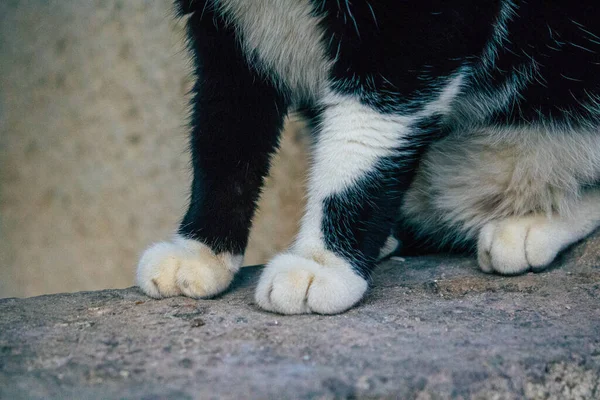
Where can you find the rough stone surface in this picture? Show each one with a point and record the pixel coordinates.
(431, 327)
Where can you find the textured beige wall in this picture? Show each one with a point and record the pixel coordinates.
(93, 162)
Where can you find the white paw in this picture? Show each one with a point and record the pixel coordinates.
(292, 284)
(516, 245)
(187, 267)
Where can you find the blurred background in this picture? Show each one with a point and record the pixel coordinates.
(93, 159)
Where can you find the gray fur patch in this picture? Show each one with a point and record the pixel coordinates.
(282, 39)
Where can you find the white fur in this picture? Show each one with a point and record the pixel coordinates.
(518, 244)
(472, 178)
(352, 139)
(283, 39)
(292, 284)
(187, 267)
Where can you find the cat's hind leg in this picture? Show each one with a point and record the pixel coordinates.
(519, 244)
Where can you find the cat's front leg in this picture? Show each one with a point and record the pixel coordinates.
(359, 157)
(236, 121)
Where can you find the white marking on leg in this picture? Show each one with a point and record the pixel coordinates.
(352, 139)
(185, 267)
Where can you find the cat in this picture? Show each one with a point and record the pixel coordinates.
(435, 124)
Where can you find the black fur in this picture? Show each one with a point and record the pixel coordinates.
(560, 39)
(236, 121)
(393, 55)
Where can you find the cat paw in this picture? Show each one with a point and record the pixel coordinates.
(517, 245)
(185, 267)
(292, 284)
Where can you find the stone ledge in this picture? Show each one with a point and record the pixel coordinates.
(432, 327)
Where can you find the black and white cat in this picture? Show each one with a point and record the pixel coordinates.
(447, 123)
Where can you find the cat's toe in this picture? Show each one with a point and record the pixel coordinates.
(501, 248)
(484, 246)
(541, 247)
(292, 284)
(185, 267)
(515, 246)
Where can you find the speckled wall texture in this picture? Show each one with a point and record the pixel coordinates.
(93, 162)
